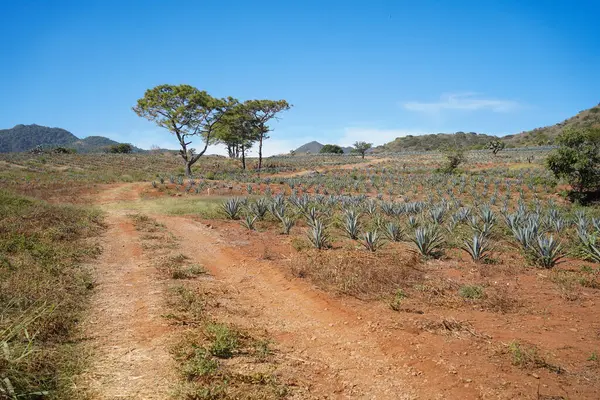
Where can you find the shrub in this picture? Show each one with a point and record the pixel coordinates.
(331, 149)
(577, 160)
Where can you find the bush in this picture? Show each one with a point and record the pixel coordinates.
(121, 148)
(577, 160)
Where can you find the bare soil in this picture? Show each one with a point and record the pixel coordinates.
(338, 346)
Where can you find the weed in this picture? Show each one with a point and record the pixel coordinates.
(471, 292)
(224, 340)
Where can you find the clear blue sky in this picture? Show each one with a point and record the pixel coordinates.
(353, 70)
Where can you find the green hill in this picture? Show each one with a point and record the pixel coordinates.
(27, 137)
(438, 141)
(547, 134)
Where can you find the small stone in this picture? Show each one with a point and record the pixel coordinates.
(536, 376)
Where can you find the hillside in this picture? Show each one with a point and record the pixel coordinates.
(437, 141)
(26, 137)
(547, 134)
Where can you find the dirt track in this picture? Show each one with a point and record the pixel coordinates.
(334, 347)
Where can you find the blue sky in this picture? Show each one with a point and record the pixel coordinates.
(368, 70)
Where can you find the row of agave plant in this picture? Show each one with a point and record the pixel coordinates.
(534, 229)
(476, 189)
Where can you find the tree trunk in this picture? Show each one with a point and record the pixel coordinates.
(363, 156)
(260, 142)
(243, 158)
(188, 169)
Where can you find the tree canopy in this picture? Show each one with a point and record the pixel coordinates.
(186, 112)
(331, 149)
(263, 111)
(577, 160)
(362, 147)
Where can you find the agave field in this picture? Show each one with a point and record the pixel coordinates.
(495, 205)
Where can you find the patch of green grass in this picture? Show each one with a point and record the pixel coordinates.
(209, 208)
(224, 340)
(43, 291)
(471, 292)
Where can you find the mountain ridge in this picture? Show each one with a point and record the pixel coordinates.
(23, 137)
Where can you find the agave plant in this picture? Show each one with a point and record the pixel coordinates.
(370, 207)
(287, 224)
(428, 240)
(393, 232)
(590, 246)
(312, 216)
(478, 248)
(260, 207)
(546, 251)
(232, 207)
(317, 235)
(437, 215)
(487, 215)
(526, 234)
(249, 221)
(351, 224)
(413, 222)
(371, 240)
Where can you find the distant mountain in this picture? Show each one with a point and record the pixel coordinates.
(26, 137)
(438, 141)
(547, 134)
(315, 147)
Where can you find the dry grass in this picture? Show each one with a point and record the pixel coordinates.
(215, 360)
(359, 273)
(43, 291)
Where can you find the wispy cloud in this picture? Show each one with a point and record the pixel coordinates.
(462, 101)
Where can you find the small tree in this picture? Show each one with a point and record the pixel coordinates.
(361, 148)
(185, 112)
(262, 112)
(577, 160)
(454, 157)
(331, 149)
(496, 146)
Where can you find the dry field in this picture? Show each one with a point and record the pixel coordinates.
(321, 277)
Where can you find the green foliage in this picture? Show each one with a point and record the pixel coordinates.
(224, 340)
(577, 160)
(361, 148)
(471, 292)
(186, 112)
(331, 149)
(454, 157)
(121, 148)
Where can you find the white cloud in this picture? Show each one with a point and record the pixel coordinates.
(462, 101)
(374, 135)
